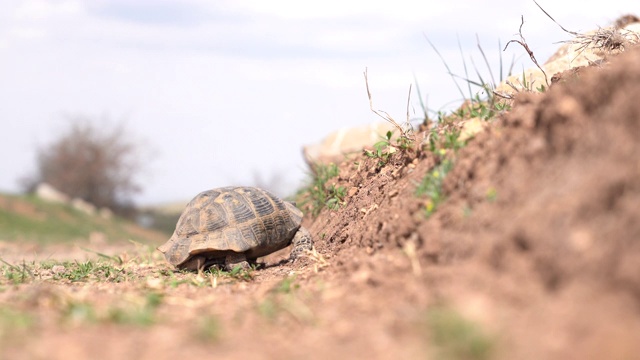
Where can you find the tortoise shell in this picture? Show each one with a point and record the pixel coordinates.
(231, 220)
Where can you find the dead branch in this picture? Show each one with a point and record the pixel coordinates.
(523, 43)
(504, 96)
(561, 27)
(605, 40)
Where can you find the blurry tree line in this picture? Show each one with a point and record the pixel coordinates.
(96, 162)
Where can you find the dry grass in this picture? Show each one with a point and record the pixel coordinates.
(606, 40)
(405, 130)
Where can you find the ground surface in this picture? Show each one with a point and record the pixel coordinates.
(533, 254)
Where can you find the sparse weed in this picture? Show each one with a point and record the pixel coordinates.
(525, 85)
(431, 186)
(14, 323)
(138, 312)
(474, 105)
(16, 275)
(383, 149)
(175, 281)
(207, 278)
(443, 145)
(475, 108)
(491, 194)
(115, 258)
(287, 286)
(89, 271)
(135, 314)
(79, 313)
(144, 254)
(320, 193)
(209, 328)
(284, 298)
(58, 223)
(76, 271)
(237, 273)
(80, 271)
(467, 211)
(448, 140)
(335, 196)
(457, 337)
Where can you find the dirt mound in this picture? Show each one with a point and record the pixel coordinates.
(523, 244)
(539, 236)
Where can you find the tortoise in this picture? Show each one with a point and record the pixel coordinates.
(232, 226)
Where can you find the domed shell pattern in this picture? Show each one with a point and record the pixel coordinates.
(240, 219)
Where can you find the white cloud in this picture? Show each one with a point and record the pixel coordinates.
(44, 9)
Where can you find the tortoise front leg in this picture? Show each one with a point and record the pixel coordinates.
(301, 242)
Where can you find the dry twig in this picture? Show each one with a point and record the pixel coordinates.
(604, 39)
(523, 43)
(406, 131)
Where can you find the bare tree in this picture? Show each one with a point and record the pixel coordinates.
(95, 163)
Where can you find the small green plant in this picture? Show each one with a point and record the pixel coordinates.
(457, 337)
(140, 315)
(237, 272)
(16, 275)
(139, 312)
(287, 285)
(466, 211)
(431, 186)
(319, 193)
(491, 194)
(476, 106)
(480, 109)
(502, 106)
(273, 304)
(14, 323)
(335, 196)
(115, 258)
(486, 110)
(285, 298)
(443, 145)
(90, 270)
(79, 313)
(80, 271)
(449, 139)
(58, 223)
(16, 326)
(209, 328)
(383, 149)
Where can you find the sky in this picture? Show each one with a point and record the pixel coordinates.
(228, 92)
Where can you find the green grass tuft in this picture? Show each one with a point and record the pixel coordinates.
(320, 193)
(28, 218)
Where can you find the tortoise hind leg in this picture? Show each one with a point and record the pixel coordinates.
(234, 259)
(301, 242)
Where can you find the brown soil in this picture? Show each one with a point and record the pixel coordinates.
(537, 245)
